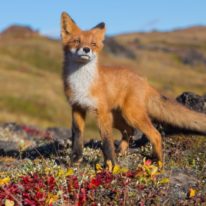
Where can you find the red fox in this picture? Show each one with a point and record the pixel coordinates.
(120, 98)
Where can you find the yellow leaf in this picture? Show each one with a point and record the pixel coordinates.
(192, 192)
(47, 170)
(164, 180)
(160, 164)
(61, 173)
(4, 181)
(116, 169)
(154, 170)
(147, 169)
(69, 172)
(98, 167)
(9, 203)
(124, 170)
(51, 198)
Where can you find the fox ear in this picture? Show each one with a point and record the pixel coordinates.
(68, 26)
(100, 30)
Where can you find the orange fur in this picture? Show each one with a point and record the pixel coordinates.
(120, 98)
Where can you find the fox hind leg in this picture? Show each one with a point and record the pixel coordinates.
(142, 122)
(126, 130)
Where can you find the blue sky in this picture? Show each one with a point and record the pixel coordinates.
(120, 15)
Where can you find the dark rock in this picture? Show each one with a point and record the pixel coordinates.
(183, 177)
(191, 57)
(193, 101)
(6, 146)
(61, 135)
(180, 182)
(95, 144)
(138, 139)
(12, 126)
(156, 48)
(112, 46)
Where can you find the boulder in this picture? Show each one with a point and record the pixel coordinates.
(193, 101)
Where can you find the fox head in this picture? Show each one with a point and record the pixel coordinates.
(81, 46)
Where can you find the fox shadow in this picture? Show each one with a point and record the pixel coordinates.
(53, 148)
(45, 150)
(57, 148)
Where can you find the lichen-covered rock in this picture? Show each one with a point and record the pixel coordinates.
(193, 101)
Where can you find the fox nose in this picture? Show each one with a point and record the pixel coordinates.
(86, 49)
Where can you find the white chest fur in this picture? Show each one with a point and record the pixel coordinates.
(80, 80)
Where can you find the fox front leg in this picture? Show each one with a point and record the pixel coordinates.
(78, 124)
(105, 128)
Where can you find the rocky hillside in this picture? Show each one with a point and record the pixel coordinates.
(30, 70)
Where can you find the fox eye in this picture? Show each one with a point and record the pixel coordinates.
(93, 44)
(76, 41)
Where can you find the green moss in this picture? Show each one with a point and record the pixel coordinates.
(31, 107)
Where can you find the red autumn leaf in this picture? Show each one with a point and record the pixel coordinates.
(72, 183)
(95, 182)
(130, 174)
(51, 182)
(29, 202)
(26, 195)
(82, 197)
(40, 196)
(26, 179)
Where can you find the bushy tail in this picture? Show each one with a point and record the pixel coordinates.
(169, 111)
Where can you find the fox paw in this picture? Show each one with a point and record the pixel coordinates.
(122, 148)
(77, 159)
